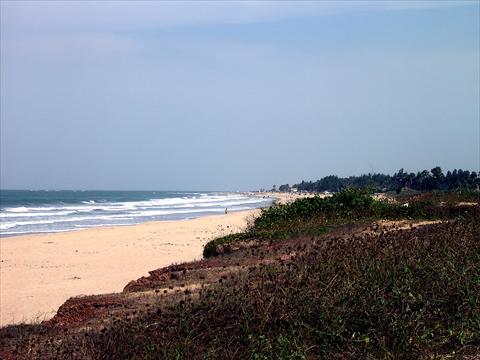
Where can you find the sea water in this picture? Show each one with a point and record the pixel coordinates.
(26, 212)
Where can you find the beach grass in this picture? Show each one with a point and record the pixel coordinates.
(373, 281)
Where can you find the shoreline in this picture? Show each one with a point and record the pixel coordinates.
(39, 272)
(276, 197)
(35, 213)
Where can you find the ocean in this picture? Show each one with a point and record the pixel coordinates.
(27, 212)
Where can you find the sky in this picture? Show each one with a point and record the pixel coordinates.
(234, 95)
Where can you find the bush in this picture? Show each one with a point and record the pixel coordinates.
(342, 204)
(313, 215)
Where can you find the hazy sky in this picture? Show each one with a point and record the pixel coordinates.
(234, 95)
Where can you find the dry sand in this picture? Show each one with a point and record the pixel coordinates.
(39, 272)
(282, 197)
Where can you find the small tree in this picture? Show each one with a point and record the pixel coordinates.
(284, 188)
(438, 178)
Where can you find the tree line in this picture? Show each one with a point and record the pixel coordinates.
(434, 179)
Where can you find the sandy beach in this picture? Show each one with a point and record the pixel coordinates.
(39, 272)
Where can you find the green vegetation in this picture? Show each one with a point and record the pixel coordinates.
(294, 291)
(314, 215)
(422, 180)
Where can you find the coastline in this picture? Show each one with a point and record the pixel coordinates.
(281, 197)
(39, 272)
(24, 212)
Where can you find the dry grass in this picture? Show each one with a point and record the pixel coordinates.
(363, 290)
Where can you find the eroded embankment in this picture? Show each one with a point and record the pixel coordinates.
(158, 294)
